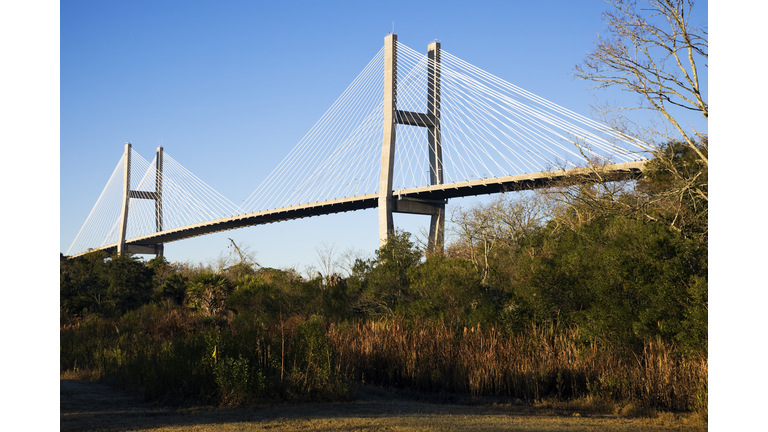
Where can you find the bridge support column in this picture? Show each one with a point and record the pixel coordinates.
(126, 199)
(437, 223)
(386, 223)
(159, 196)
(159, 189)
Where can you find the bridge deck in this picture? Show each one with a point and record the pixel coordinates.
(615, 172)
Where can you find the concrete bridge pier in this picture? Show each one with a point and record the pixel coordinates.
(434, 137)
(386, 223)
(126, 199)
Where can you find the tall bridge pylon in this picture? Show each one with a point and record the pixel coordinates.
(156, 196)
(430, 120)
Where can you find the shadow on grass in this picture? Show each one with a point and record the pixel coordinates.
(97, 406)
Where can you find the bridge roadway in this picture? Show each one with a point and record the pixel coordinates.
(614, 172)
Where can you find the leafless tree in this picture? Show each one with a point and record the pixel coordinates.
(479, 229)
(242, 254)
(654, 50)
(310, 271)
(220, 262)
(348, 258)
(326, 259)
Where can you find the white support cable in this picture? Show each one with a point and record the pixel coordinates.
(224, 206)
(370, 182)
(403, 157)
(376, 115)
(110, 208)
(537, 118)
(594, 124)
(490, 144)
(338, 160)
(194, 208)
(470, 110)
(520, 157)
(447, 75)
(471, 90)
(111, 214)
(358, 157)
(186, 207)
(328, 164)
(292, 185)
(537, 127)
(365, 76)
(449, 140)
(174, 203)
(331, 172)
(469, 151)
(219, 205)
(475, 113)
(112, 234)
(99, 201)
(183, 202)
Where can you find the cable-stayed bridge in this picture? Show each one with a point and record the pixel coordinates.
(410, 132)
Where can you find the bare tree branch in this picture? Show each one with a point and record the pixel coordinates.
(653, 51)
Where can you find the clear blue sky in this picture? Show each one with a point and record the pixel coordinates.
(229, 88)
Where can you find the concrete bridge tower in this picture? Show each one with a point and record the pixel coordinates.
(430, 120)
(157, 196)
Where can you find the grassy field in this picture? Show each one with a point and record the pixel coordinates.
(95, 406)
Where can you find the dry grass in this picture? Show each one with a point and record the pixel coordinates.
(81, 375)
(540, 363)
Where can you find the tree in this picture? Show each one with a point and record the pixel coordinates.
(445, 288)
(381, 284)
(326, 258)
(129, 284)
(82, 283)
(654, 50)
(99, 283)
(672, 192)
(480, 229)
(174, 288)
(619, 278)
(207, 292)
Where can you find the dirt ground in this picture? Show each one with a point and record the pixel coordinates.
(93, 406)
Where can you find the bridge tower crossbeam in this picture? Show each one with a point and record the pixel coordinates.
(431, 120)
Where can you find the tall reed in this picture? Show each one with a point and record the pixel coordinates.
(540, 362)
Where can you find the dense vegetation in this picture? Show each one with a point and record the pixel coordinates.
(593, 291)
